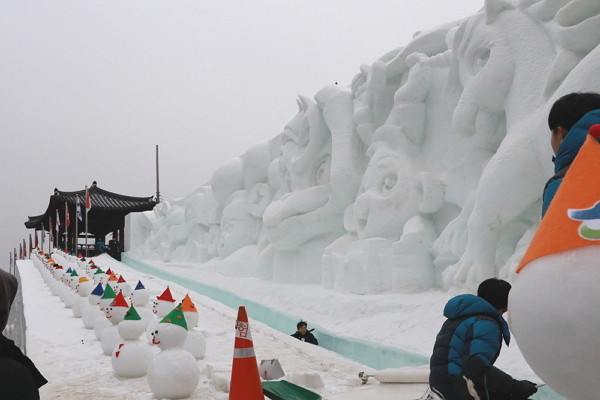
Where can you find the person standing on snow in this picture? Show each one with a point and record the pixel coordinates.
(569, 120)
(19, 377)
(468, 344)
(303, 334)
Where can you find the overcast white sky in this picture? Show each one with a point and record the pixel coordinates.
(88, 88)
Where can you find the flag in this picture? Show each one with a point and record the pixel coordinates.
(15, 254)
(24, 249)
(42, 234)
(21, 252)
(88, 200)
(51, 236)
(572, 220)
(36, 239)
(30, 244)
(57, 221)
(67, 216)
(78, 207)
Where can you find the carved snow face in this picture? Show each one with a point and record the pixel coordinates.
(484, 67)
(168, 336)
(239, 227)
(388, 197)
(83, 289)
(306, 208)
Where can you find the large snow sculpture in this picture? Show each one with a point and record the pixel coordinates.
(428, 171)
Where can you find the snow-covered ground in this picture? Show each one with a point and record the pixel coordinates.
(71, 357)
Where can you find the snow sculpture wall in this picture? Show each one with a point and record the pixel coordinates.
(427, 171)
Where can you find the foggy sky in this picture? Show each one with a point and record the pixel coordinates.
(88, 88)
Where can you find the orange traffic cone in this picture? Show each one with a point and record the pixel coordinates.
(245, 379)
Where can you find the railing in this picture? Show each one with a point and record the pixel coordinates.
(16, 327)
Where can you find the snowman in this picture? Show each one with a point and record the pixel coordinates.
(140, 298)
(112, 280)
(102, 322)
(100, 277)
(195, 342)
(160, 308)
(70, 296)
(173, 373)
(123, 286)
(131, 356)
(83, 289)
(91, 311)
(553, 304)
(115, 313)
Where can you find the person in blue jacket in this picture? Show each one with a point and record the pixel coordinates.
(468, 344)
(569, 121)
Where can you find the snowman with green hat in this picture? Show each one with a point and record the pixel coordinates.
(101, 322)
(131, 356)
(173, 373)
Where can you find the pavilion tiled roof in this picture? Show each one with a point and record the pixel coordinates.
(108, 204)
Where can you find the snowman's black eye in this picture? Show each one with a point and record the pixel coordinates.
(155, 331)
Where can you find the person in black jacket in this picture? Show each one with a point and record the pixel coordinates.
(304, 334)
(19, 377)
(468, 344)
(114, 249)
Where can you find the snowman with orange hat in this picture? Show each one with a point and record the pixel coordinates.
(83, 289)
(173, 373)
(195, 342)
(553, 304)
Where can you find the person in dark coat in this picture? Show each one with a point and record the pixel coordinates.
(19, 377)
(304, 334)
(468, 344)
(569, 120)
(114, 249)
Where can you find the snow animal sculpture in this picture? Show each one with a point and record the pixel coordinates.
(307, 214)
(375, 87)
(502, 79)
(115, 313)
(553, 305)
(173, 373)
(131, 356)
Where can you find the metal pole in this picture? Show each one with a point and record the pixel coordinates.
(76, 239)
(66, 227)
(157, 187)
(86, 222)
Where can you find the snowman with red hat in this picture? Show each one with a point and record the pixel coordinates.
(160, 308)
(115, 313)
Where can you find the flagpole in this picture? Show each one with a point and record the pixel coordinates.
(76, 224)
(86, 222)
(66, 227)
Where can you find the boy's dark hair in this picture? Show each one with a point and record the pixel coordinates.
(301, 323)
(569, 109)
(494, 291)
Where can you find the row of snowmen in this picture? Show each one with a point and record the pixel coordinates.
(127, 323)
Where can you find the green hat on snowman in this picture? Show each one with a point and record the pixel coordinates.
(109, 293)
(175, 317)
(132, 315)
